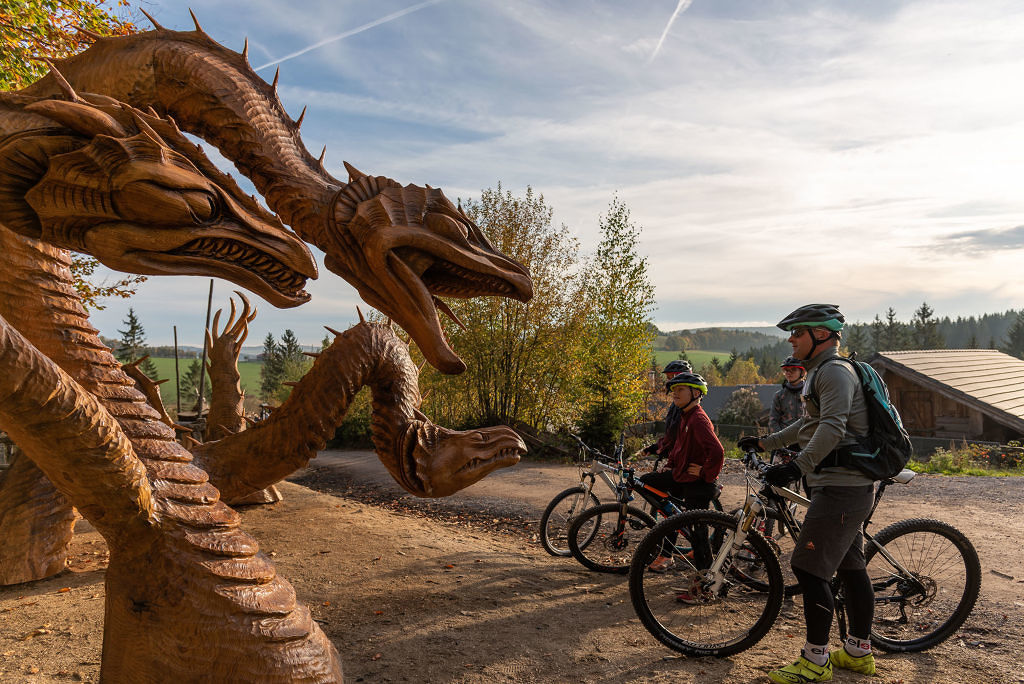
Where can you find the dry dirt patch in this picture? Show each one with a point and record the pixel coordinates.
(412, 591)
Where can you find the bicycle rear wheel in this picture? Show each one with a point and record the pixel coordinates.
(602, 539)
(918, 612)
(554, 523)
(679, 607)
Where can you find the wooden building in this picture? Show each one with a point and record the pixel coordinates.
(973, 394)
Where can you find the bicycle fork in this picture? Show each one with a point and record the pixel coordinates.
(733, 544)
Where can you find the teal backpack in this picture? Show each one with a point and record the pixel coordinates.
(886, 449)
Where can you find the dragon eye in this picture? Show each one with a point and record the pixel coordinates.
(447, 226)
(202, 204)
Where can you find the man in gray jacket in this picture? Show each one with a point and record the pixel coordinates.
(830, 540)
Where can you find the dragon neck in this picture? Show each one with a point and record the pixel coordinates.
(211, 92)
(366, 354)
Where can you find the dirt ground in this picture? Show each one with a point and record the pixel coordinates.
(459, 589)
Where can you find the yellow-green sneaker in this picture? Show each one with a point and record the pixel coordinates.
(864, 664)
(803, 670)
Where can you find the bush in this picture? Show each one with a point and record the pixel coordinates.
(741, 408)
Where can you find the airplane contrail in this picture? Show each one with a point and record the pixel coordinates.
(360, 29)
(680, 8)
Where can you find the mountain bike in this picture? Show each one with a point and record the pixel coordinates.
(925, 573)
(603, 537)
(567, 504)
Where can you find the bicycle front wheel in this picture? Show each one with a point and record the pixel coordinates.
(554, 523)
(681, 608)
(919, 611)
(602, 538)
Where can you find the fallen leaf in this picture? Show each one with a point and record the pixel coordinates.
(326, 603)
(378, 612)
(377, 656)
(63, 590)
(449, 566)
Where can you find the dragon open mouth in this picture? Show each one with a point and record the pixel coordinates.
(282, 279)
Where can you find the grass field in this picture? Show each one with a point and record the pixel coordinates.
(697, 358)
(249, 370)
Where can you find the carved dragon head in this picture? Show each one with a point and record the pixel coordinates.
(403, 247)
(439, 462)
(141, 198)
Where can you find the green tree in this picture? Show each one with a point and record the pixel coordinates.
(31, 30)
(712, 374)
(294, 364)
(132, 345)
(743, 372)
(925, 327)
(189, 387)
(524, 361)
(272, 370)
(618, 325)
(858, 340)
(1015, 338)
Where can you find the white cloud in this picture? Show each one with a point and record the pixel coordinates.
(781, 150)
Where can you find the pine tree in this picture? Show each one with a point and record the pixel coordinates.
(133, 345)
(1015, 338)
(271, 373)
(926, 329)
(190, 383)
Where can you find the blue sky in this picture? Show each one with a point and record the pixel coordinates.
(774, 153)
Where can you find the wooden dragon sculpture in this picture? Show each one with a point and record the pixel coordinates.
(189, 597)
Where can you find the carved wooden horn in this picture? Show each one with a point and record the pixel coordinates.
(354, 174)
(79, 117)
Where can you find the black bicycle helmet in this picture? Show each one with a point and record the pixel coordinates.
(814, 316)
(792, 361)
(689, 380)
(678, 366)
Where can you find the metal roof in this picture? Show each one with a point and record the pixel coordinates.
(989, 380)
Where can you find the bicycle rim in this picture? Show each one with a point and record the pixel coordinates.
(599, 542)
(678, 607)
(914, 614)
(554, 523)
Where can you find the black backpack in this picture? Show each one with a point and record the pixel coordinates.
(886, 449)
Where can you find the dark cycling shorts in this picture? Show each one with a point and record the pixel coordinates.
(830, 537)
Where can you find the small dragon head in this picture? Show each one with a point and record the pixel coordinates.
(141, 198)
(439, 462)
(403, 247)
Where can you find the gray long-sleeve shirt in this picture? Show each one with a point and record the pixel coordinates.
(832, 421)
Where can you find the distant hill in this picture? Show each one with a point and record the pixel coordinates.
(740, 339)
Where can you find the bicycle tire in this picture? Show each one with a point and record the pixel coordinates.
(742, 613)
(555, 521)
(945, 561)
(594, 542)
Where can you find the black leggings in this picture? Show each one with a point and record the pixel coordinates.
(820, 605)
(695, 495)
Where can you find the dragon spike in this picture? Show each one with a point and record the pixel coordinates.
(190, 441)
(323, 153)
(419, 415)
(69, 92)
(289, 383)
(354, 174)
(421, 366)
(225, 429)
(360, 312)
(91, 34)
(408, 339)
(312, 355)
(146, 129)
(136, 362)
(277, 75)
(154, 22)
(333, 331)
(245, 50)
(424, 396)
(443, 308)
(160, 382)
(196, 21)
(152, 112)
(298, 124)
(249, 421)
(181, 428)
